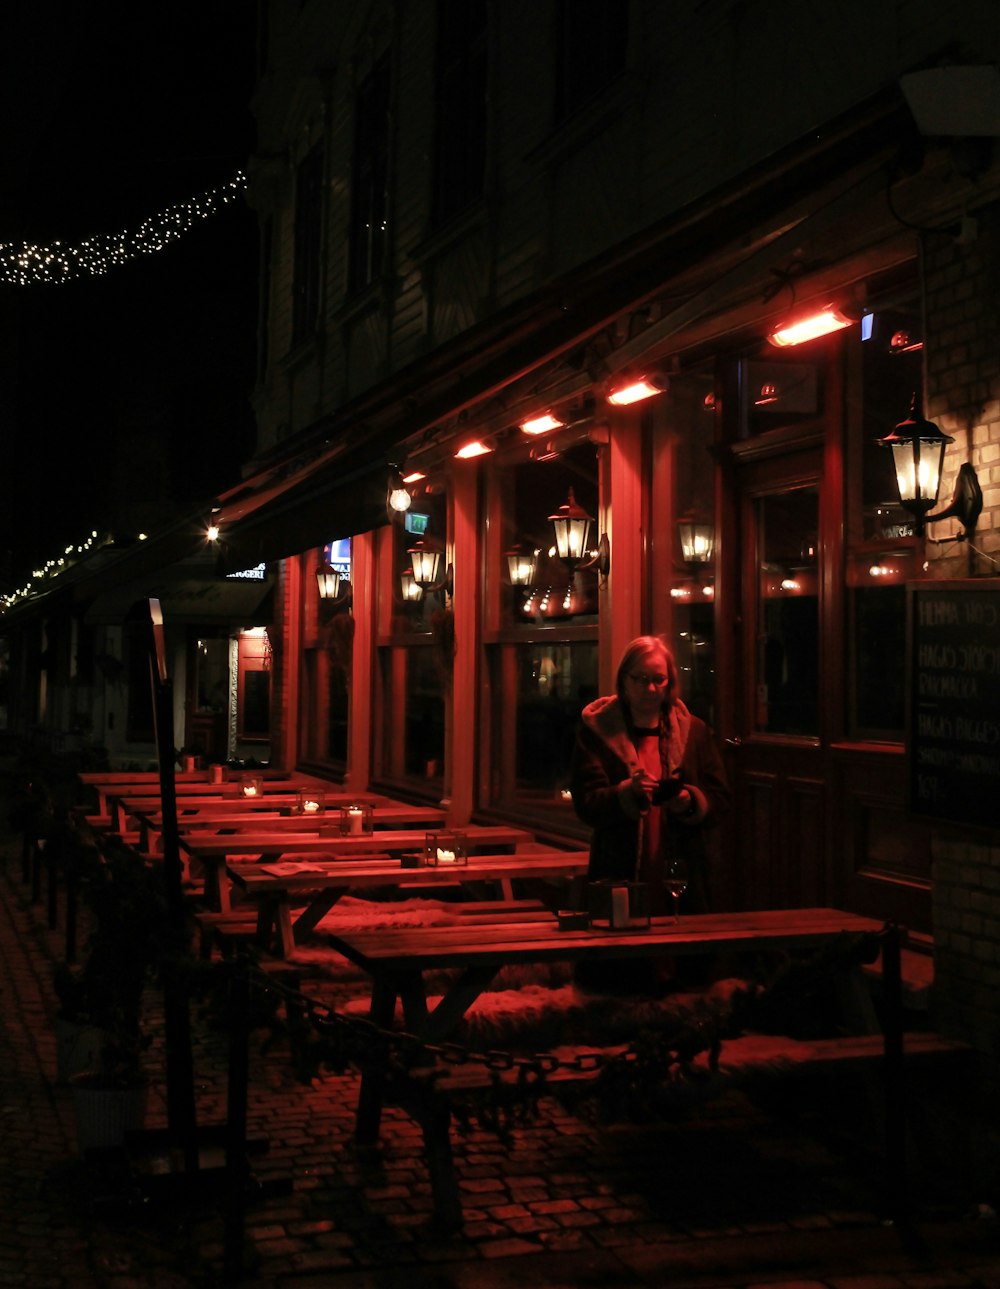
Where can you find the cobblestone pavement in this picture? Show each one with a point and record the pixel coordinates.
(735, 1195)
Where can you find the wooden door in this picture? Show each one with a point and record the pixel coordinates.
(775, 748)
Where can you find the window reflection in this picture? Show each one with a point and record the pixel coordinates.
(412, 731)
(692, 589)
(788, 613)
(531, 491)
(534, 734)
(422, 526)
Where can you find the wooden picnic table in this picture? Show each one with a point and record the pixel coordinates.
(211, 850)
(115, 800)
(123, 783)
(398, 961)
(274, 887)
(231, 822)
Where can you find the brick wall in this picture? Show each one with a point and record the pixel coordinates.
(962, 281)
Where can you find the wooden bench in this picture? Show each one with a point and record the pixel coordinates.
(429, 1094)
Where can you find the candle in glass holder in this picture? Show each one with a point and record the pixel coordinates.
(310, 807)
(445, 856)
(356, 818)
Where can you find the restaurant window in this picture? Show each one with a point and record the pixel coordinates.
(591, 48)
(328, 634)
(461, 88)
(688, 410)
(889, 368)
(308, 234)
(370, 177)
(543, 651)
(415, 647)
(787, 678)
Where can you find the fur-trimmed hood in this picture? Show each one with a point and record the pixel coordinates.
(606, 718)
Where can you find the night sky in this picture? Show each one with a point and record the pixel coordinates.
(129, 393)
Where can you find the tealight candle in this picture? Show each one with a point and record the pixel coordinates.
(310, 807)
(445, 856)
(250, 789)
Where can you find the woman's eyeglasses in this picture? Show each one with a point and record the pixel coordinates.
(645, 678)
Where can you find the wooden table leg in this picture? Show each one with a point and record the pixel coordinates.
(895, 1089)
(369, 1117)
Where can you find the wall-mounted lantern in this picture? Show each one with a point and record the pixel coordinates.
(425, 559)
(697, 541)
(522, 565)
(571, 525)
(329, 583)
(917, 456)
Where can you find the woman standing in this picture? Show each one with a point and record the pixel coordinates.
(648, 778)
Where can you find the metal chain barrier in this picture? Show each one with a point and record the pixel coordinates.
(628, 1074)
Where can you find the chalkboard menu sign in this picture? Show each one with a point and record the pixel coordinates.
(953, 717)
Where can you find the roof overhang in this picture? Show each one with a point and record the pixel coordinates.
(191, 601)
(336, 493)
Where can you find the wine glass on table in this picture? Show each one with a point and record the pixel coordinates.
(676, 879)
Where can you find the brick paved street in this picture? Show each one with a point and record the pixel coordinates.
(731, 1195)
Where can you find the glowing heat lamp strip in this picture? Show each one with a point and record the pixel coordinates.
(634, 393)
(818, 324)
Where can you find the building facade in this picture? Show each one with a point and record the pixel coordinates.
(482, 223)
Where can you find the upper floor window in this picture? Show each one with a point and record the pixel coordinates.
(591, 44)
(308, 245)
(369, 193)
(460, 139)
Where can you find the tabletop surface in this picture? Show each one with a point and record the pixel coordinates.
(234, 803)
(258, 879)
(270, 841)
(409, 948)
(264, 819)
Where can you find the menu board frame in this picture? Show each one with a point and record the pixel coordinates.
(953, 701)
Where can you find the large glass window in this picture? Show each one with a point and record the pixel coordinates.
(881, 556)
(788, 613)
(541, 689)
(328, 635)
(543, 645)
(690, 537)
(416, 646)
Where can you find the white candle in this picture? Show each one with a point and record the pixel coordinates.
(446, 856)
(310, 807)
(215, 774)
(250, 789)
(355, 815)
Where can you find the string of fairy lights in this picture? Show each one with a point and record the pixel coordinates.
(53, 567)
(25, 264)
